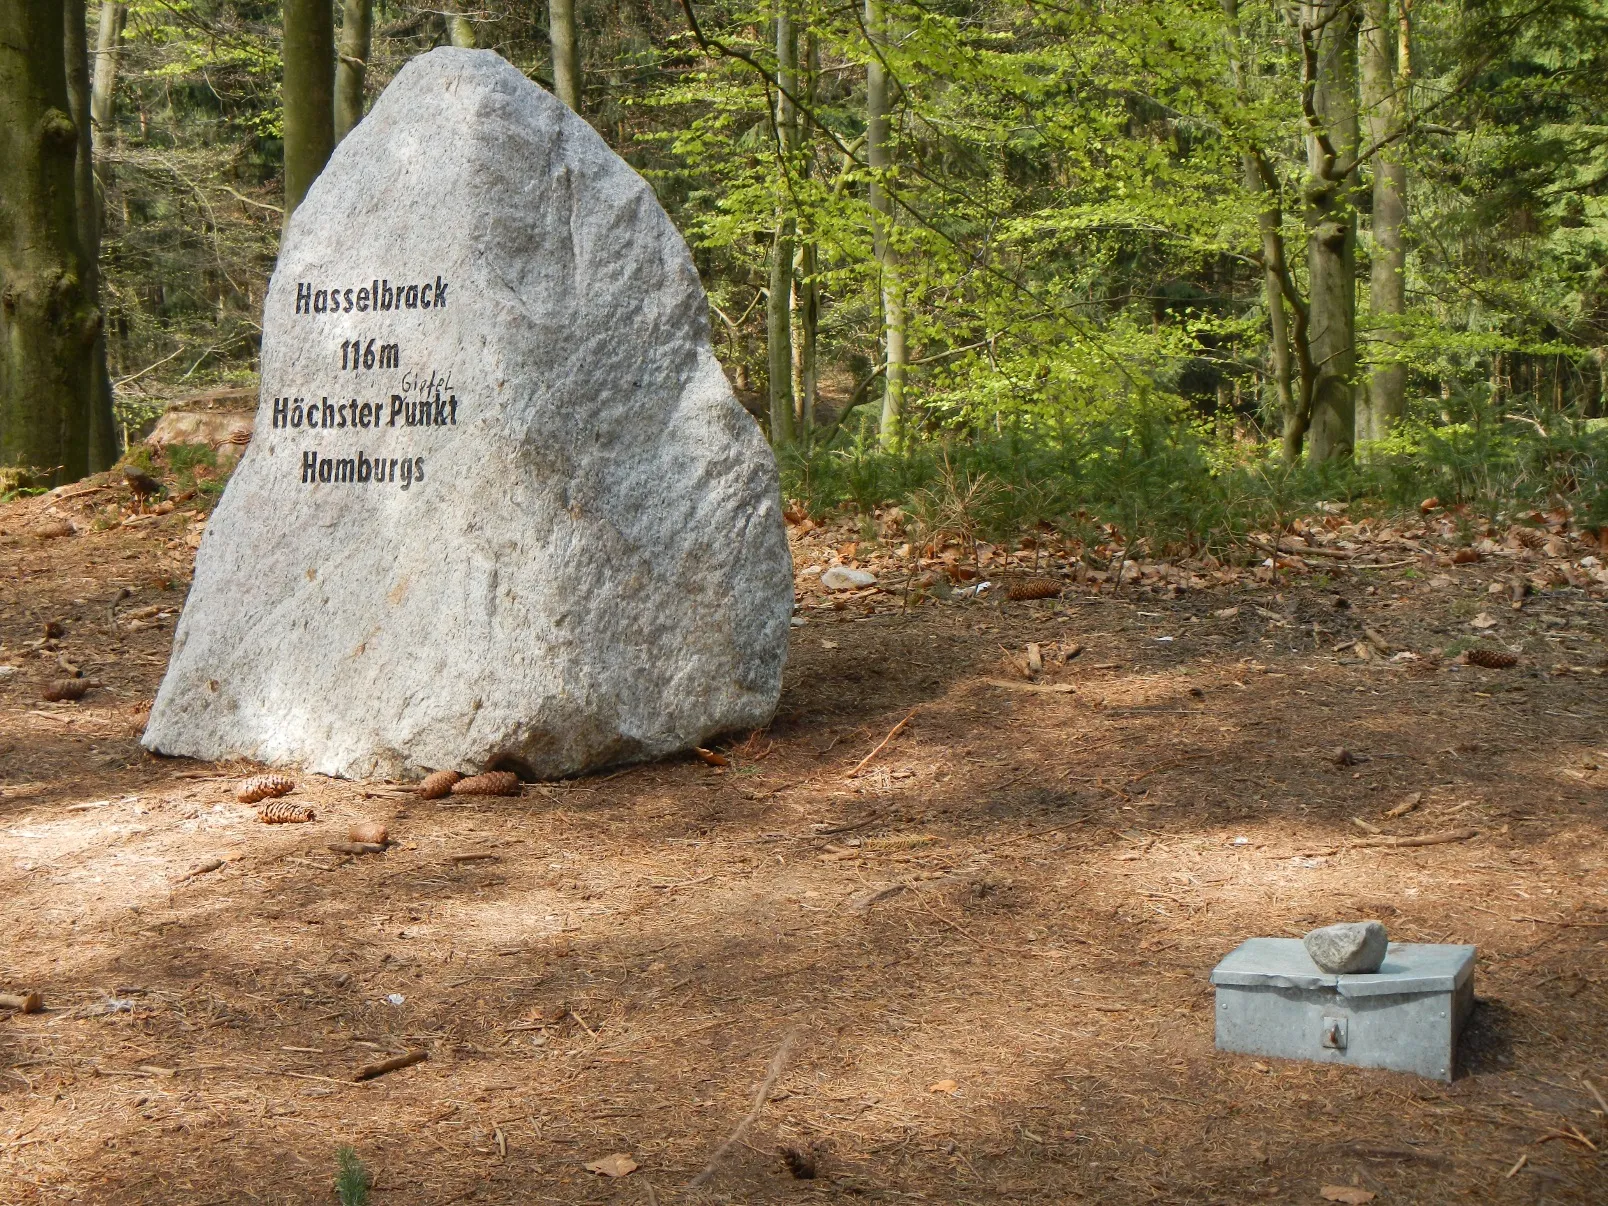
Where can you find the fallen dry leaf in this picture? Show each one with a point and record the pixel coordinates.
(1347, 1193)
(943, 1086)
(617, 1164)
(1482, 621)
(709, 756)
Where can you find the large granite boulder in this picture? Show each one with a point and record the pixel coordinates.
(500, 506)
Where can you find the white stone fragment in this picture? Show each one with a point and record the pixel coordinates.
(500, 503)
(843, 577)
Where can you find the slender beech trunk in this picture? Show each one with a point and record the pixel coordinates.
(108, 49)
(778, 303)
(48, 320)
(86, 203)
(1384, 400)
(1330, 36)
(880, 159)
(1270, 222)
(807, 315)
(806, 292)
(460, 29)
(566, 52)
(1261, 183)
(357, 36)
(308, 95)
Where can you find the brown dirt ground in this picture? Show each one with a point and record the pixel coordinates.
(1023, 894)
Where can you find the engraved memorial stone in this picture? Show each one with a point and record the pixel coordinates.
(501, 507)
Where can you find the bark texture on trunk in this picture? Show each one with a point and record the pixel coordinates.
(86, 201)
(1384, 400)
(357, 36)
(879, 157)
(48, 321)
(308, 95)
(566, 52)
(1330, 33)
(779, 301)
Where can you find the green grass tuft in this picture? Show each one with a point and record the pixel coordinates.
(352, 1180)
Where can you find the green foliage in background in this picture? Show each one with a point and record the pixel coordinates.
(1173, 486)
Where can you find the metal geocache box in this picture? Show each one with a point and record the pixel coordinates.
(1273, 1000)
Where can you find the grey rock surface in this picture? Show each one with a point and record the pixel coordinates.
(500, 506)
(1350, 948)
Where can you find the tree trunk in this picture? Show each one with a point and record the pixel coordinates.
(566, 52)
(1385, 399)
(86, 202)
(48, 321)
(778, 303)
(108, 48)
(460, 29)
(357, 36)
(1261, 183)
(1330, 32)
(806, 292)
(880, 159)
(308, 95)
(807, 315)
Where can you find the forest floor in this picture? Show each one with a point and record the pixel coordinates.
(980, 963)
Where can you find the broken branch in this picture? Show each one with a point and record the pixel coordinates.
(370, 1071)
(1426, 839)
(892, 733)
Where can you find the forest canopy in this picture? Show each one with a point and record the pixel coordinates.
(1297, 231)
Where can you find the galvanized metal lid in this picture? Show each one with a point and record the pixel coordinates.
(1409, 967)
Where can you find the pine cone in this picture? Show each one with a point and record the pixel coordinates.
(1491, 659)
(436, 785)
(263, 787)
(282, 812)
(1032, 588)
(66, 689)
(492, 783)
(1528, 537)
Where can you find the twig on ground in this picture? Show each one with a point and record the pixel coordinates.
(892, 733)
(1426, 839)
(1041, 688)
(396, 1062)
(1595, 1092)
(772, 1075)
